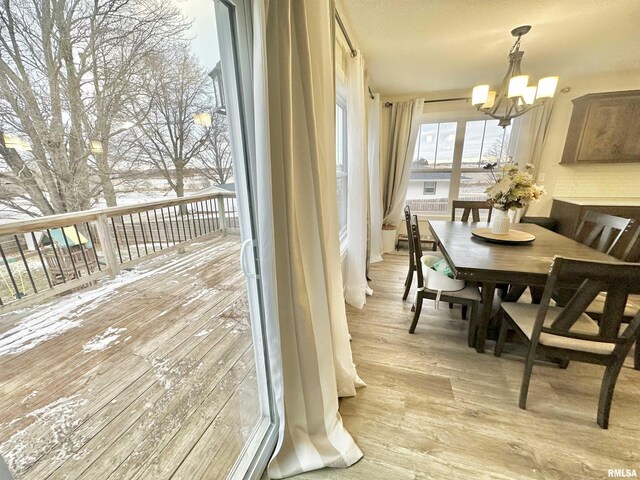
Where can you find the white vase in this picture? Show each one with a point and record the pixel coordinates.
(501, 222)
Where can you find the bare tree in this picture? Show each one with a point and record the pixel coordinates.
(169, 137)
(497, 152)
(67, 67)
(214, 161)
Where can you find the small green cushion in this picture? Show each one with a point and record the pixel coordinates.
(442, 266)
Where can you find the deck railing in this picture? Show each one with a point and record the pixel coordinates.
(51, 255)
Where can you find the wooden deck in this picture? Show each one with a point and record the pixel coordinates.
(149, 375)
(435, 409)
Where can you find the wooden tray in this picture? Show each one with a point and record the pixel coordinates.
(512, 237)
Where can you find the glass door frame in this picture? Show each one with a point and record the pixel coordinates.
(234, 24)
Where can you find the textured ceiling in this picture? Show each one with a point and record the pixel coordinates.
(413, 46)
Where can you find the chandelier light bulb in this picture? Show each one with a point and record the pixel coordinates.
(547, 87)
(529, 95)
(517, 86)
(479, 95)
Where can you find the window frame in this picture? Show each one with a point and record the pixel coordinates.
(457, 169)
(341, 101)
(433, 187)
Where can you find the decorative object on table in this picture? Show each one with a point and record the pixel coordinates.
(389, 238)
(512, 237)
(515, 97)
(604, 128)
(512, 189)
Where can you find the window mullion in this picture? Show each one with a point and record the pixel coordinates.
(454, 186)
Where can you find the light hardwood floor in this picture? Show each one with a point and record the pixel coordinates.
(150, 375)
(434, 408)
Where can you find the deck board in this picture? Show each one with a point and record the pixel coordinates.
(76, 405)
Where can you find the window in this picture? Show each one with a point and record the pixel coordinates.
(429, 188)
(448, 162)
(341, 168)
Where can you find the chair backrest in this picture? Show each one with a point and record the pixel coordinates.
(617, 280)
(632, 251)
(414, 228)
(600, 230)
(407, 220)
(470, 208)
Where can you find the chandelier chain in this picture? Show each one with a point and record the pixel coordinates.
(515, 47)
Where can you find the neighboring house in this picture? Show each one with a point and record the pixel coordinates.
(428, 192)
(429, 185)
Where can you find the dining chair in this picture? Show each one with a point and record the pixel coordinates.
(468, 295)
(569, 333)
(632, 250)
(412, 259)
(596, 308)
(600, 230)
(470, 208)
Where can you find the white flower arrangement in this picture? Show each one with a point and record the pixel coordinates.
(513, 188)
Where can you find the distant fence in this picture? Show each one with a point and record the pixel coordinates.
(50, 255)
(437, 205)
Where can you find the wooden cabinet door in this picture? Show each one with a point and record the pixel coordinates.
(631, 147)
(605, 130)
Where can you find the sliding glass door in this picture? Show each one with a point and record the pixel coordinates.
(234, 92)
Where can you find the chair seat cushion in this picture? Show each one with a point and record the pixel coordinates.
(633, 305)
(524, 316)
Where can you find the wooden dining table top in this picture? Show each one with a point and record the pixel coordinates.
(472, 258)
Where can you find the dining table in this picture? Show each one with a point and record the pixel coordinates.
(491, 264)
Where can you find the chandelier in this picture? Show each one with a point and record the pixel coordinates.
(515, 96)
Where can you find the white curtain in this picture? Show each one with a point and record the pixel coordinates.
(310, 354)
(532, 135)
(375, 198)
(355, 281)
(403, 132)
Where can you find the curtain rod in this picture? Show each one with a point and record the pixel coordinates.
(457, 99)
(354, 52)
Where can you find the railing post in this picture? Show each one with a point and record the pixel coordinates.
(222, 215)
(107, 247)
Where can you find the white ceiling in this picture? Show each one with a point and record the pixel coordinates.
(420, 46)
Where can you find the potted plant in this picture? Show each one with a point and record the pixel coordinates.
(512, 189)
(388, 238)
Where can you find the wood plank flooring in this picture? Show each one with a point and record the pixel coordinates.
(149, 375)
(435, 409)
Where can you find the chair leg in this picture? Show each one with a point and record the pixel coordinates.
(473, 323)
(502, 337)
(464, 312)
(407, 283)
(606, 392)
(416, 315)
(636, 360)
(526, 376)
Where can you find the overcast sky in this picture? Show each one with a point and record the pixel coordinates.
(204, 39)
